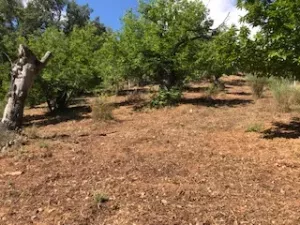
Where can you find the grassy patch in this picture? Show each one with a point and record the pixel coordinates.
(256, 127)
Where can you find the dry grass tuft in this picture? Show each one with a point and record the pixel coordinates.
(285, 94)
(257, 85)
(135, 97)
(102, 109)
(31, 132)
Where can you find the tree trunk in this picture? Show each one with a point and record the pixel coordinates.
(23, 72)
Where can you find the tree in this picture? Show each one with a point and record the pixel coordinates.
(155, 40)
(219, 56)
(279, 22)
(76, 16)
(23, 72)
(252, 53)
(40, 14)
(73, 69)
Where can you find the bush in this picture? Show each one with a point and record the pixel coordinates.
(284, 93)
(257, 85)
(166, 98)
(102, 109)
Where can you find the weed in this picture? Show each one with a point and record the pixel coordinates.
(213, 90)
(256, 127)
(166, 98)
(257, 85)
(44, 145)
(100, 198)
(102, 109)
(285, 94)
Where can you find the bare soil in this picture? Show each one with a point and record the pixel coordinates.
(193, 164)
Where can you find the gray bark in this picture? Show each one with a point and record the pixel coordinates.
(23, 72)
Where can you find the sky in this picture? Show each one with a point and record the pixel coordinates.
(110, 11)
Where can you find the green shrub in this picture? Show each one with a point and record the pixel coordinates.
(102, 109)
(166, 98)
(285, 94)
(257, 85)
(256, 127)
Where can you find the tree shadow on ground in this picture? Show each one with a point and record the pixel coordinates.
(195, 89)
(126, 92)
(209, 102)
(242, 93)
(135, 104)
(235, 83)
(76, 113)
(284, 130)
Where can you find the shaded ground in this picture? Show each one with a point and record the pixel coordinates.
(191, 164)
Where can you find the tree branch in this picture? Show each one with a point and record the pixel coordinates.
(46, 58)
(7, 56)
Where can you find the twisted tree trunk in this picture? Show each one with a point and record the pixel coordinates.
(23, 72)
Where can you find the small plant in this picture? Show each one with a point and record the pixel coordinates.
(166, 98)
(44, 145)
(213, 90)
(256, 127)
(285, 94)
(102, 109)
(100, 198)
(257, 85)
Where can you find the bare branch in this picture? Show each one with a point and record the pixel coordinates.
(9, 59)
(46, 58)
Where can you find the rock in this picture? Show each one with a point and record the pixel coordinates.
(16, 173)
(164, 202)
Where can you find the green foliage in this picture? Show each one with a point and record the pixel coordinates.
(76, 16)
(159, 43)
(257, 85)
(219, 56)
(168, 43)
(279, 23)
(110, 64)
(72, 70)
(73, 40)
(166, 98)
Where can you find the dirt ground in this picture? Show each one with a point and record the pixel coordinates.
(194, 164)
